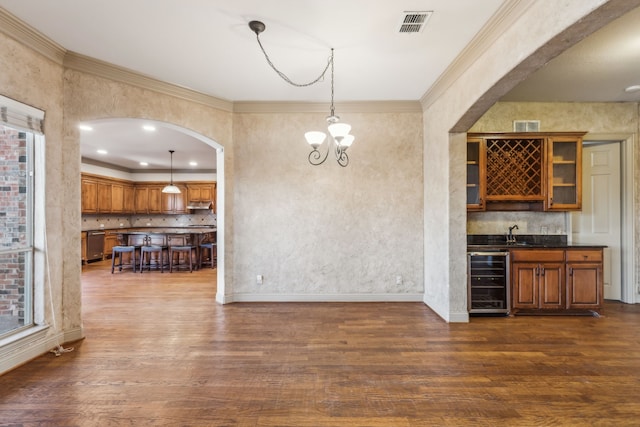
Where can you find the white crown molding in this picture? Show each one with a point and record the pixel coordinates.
(23, 33)
(86, 64)
(30, 37)
(505, 16)
(323, 107)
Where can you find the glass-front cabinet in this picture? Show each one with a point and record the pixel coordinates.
(564, 191)
(475, 174)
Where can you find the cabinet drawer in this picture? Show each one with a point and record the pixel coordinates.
(584, 255)
(537, 255)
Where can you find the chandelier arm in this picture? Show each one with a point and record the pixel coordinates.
(343, 159)
(315, 157)
(285, 77)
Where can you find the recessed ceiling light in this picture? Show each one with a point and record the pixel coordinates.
(144, 164)
(102, 151)
(633, 88)
(193, 163)
(149, 128)
(85, 127)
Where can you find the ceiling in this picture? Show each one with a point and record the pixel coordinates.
(208, 47)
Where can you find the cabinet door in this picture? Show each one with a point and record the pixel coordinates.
(110, 240)
(551, 287)
(475, 174)
(564, 192)
(584, 285)
(524, 285)
(156, 200)
(128, 198)
(117, 198)
(89, 195)
(104, 197)
(83, 246)
(180, 200)
(141, 199)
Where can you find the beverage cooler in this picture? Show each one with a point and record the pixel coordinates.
(488, 287)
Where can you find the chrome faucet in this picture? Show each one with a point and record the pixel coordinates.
(510, 237)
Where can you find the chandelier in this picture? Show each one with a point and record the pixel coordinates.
(340, 137)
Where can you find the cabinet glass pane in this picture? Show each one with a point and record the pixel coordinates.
(473, 173)
(564, 172)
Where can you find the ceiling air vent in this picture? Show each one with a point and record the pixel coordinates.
(414, 22)
(526, 125)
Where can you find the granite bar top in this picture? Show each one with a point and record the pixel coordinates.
(163, 230)
(478, 242)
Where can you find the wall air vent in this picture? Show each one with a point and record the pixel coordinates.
(414, 22)
(526, 125)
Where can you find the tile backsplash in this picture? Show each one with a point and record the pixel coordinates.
(528, 222)
(108, 222)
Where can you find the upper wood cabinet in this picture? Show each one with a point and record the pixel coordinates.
(476, 181)
(175, 203)
(89, 195)
(524, 171)
(114, 196)
(564, 192)
(202, 192)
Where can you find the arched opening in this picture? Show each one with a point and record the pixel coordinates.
(138, 150)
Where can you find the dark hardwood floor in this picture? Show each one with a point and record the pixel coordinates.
(159, 351)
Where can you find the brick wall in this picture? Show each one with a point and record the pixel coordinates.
(13, 226)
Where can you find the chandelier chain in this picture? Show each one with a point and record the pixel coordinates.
(291, 82)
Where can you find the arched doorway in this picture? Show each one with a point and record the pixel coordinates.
(128, 147)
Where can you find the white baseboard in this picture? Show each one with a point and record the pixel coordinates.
(325, 298)
(33, 343)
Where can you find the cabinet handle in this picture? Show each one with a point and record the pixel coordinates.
(537, 271)
(542, 271)
(570, 271)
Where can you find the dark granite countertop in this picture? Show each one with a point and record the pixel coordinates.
(493, 242)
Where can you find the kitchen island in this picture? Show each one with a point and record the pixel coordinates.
(165, 236)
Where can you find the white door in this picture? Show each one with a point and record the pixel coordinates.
(599, 221)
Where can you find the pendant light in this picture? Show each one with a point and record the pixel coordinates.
(171, 189)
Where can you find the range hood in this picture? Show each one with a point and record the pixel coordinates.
(199, 204)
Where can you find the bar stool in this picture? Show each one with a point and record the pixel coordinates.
(187, 250)
(119, 251)
(151, 250)
(212, 252)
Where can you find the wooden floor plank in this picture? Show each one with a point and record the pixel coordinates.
(159, 351)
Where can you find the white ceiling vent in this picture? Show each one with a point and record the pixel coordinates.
(414, 22)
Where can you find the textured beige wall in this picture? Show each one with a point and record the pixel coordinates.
(31, 79)
(327, 232)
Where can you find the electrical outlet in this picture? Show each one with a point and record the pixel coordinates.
(398, 280)
(259, 279)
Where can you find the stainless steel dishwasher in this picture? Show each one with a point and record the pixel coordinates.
(95, 245)
(488, 287)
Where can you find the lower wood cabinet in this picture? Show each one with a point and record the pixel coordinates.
(556, 279)
(584, 279)
(83, 246)
(110, 240)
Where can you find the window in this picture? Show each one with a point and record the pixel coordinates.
(17, 140)
(16, 230)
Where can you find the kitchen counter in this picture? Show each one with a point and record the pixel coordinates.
(164, 230)
(497, 242)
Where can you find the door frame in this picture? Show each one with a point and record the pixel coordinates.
(627, 169)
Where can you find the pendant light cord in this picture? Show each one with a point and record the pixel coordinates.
(286, 78)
